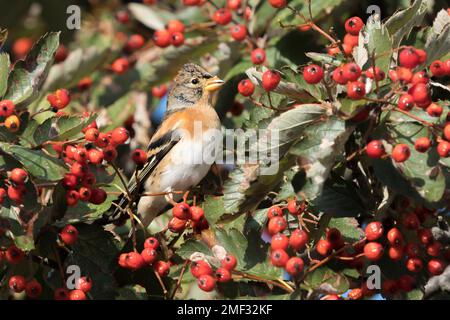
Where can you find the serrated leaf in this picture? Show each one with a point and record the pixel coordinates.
(325, 280)
(27, 77)
(40, 165)
(4, 72)
(438, 40)
(213, 207)
(150, 16)
(317, 152)
(402, 22)
(192, 246)
(349, 228)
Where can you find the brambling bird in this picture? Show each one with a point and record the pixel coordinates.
(184, 146)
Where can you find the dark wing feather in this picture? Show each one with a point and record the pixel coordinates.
(157, 150)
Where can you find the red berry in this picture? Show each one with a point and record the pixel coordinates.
(122, 16)
(206, 282)
(162, 268)
(395, 237)
(69, 234)
(84, 193)
(139, 157)
(80, 155)
(246, 87)
(375, 149)
(351, 71)
(69, 181)
(412, 250)
(422, 144)
(406, 282)
(404, 74)
(181, 211)
(356, 90)
(298, 239)
(196, 213)
(59, 99)
(14, 255)
(6, 108)
(406, 102)
(159, 91)
(411, 221)
(436, 266)
(238, 32)
(120, 65)
(222, 16)
(78, 169)
(434, 249)
(177, 39)
(422, 55)
(16, 193)
(276, 225)
(175, 26)
(409, 58)
(17, 283)
(84, 284)
(447, 132)
(274, 211)
(401, 152)
(278, 3)
(95, 156)
(192, 2)
(18, 176)
(162, 38)
(229, 262)
(434, 110)
(134, 261)
(120, 135)
(396, 253)
(374, 231)
(279, 241)
(324, 247)
(149, 255)
(294, 209)
(258, 56)
(425, 236)
(313, 74)
(21, 47)
(414, 264)
(61, 294)
(136, 41)
(91, 134)
(2, 195)
(279, 258)
(33, 289)
(294, 266)
(437, 68)
(338, 75)
(270, 80)
(72, 197)
(351, 40)
(373, 251)
(234, 4)
(354, 25)
(223, 275)
(151, 243)
(420, 77)
(98, 196)
(443, 149)
(177, 225)
(420, 93)
(77, 295)
(200, 267)
(109, 153)
(389, 287)
(376, 74)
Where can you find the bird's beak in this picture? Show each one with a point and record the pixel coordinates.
(214, 84)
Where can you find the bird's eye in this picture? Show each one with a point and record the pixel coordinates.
(194, 81)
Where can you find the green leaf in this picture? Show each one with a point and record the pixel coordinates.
(25, 242)
(377, 42)
(349, 228)
(421, 169)
(4, 72)
(438, 41)
(151, 16)
(80, 63)
(323, 58)
(349, 107)
(120, 111)
(192, 246)
(415, 294)
(323, 142)
(325, 280)
(27, 77)
(40, 165)
(402, 22)
(213, 207)
(3, 36)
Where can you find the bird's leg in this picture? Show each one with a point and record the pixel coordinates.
(169, 197)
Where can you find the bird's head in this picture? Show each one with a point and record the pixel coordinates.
(192, 84)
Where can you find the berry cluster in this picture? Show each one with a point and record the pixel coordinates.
(207, 278)
(8, 117)
(296, 240)
(172, 35)
(183, 214)
(16, 190)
